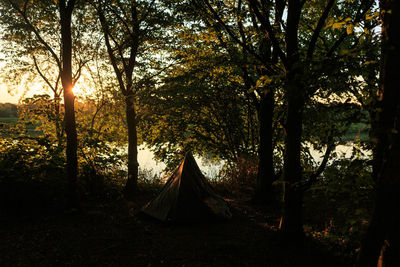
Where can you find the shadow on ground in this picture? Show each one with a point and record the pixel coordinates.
(114, 234)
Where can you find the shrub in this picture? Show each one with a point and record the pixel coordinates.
(340, 204)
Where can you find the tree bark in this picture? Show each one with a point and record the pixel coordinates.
(58, 120)
(291, 224)
(133, 165)
(67, 83)
(383, 230)
(126, 85)
(265, 174)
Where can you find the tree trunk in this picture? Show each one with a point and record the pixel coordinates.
(383, 229)
(58, 120)
(265, 175)
(67, 83)
(133, 165)
(291, 224)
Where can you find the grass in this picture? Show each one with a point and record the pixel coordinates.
(9, 120)
(6, 122)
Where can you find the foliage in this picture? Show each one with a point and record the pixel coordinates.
(31, 172)
(102, 137)
(202, 104)
(339, 206)
(32, 44)
(46, 114)
(237, 178)
(334, 123)
(29, 158)
(197, 72)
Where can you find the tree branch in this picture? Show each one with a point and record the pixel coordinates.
(317, 31)
(42, 75)
(113, 59)
(230, 32)
(266, 25)
(367, 4)
(37, 34)
(313, 177)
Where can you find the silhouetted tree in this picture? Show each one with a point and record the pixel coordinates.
(383, 235)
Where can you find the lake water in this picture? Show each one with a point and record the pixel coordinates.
(211, 169)
(147, 162)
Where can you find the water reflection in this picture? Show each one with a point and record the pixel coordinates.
(147, 162)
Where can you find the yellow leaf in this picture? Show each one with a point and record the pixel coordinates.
(338, 25)
(344, 52)
(369, 62)
(368, 16)
(349, 29)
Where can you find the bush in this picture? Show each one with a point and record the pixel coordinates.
(238, 177)
(31, 175)
(340, 204)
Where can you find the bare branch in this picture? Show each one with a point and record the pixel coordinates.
(42, 75)
(313, 178)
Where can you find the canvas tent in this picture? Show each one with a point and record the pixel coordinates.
(187, 196)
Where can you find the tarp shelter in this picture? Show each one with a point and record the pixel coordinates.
(187, 196)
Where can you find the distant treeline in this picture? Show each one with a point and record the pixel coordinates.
(8, 110)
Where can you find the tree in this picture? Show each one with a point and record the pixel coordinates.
(235, 23)
(131, 29)
(383, 234)
(33, 25)
(201, 104)
(298, 66)
(299, 50)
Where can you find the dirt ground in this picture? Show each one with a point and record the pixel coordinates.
(116, 234)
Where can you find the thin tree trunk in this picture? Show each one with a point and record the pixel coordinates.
(70, 125)
(126, 86)
(133, 165)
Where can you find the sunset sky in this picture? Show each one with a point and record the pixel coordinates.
(5, 97)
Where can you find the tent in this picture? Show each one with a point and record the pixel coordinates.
(187, 196)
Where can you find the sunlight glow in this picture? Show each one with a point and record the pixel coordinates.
(5, 97)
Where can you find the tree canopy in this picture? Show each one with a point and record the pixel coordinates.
(270, 91)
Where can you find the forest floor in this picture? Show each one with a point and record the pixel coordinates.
(113, 233)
